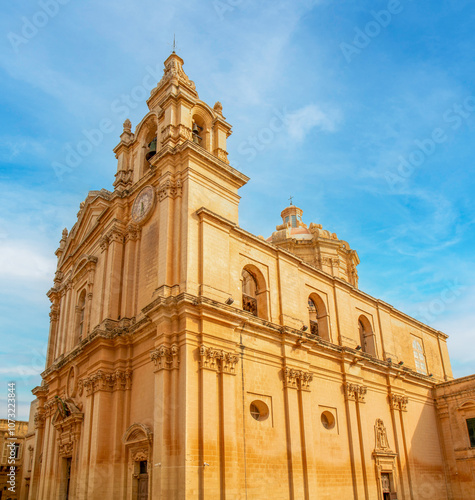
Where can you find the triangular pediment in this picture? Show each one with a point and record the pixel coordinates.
(94, 207)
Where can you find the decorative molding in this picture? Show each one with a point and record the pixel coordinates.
(218, 360)
(40, 417)
(174, 72)
(297, 379)
(85, 265)
(137, 433)
(67, 421)
(114, 235)
(222, 154)
(65, 448)
(140, 455)
(165, 358)
(123, 179)
(398, 402)
(105, 381)
(218, 108)
(172, 189)
(175, 132)
(355, 392)
(133, 232)
(58, 277)
(54, 313)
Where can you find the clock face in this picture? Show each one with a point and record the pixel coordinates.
(143, 204)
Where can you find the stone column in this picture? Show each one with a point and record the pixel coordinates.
(53, 328)
(307, 436)
(166, 359)
(168, 253)
(398, 403)
(130, 268)
(356, 393)
(84, 449)
(296, 381)
(209, 456)
(40, 393)
(228, 425)
(113, 276)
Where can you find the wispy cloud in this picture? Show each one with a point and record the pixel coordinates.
(18, 259)
(22, 370)
(301, 122)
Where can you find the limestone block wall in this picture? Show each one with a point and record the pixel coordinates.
(456, 404)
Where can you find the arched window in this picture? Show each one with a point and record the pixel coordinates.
(254, 291)
(249, 292)
(149, 146)
(313, 317)
(199, 132)
(362, 333)
(419, 357)
(318, 317)
(367, 341)
(81, 309)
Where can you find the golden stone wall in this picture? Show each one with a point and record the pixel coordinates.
(159, 384)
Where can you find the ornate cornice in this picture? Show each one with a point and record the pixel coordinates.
(133, 232)
(172, 189)
(218, 360)
(297, 379)
(54, 313)
(114, 235)
(221, 154)
(165, 357)
(105, 381)
(398, 402)
(40, 417)
(355, 392)
(176, 132)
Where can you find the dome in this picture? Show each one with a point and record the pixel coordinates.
(315, 245)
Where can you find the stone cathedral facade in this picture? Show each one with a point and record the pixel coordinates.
(191, 359)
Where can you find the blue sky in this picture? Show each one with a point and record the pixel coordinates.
(363, 111)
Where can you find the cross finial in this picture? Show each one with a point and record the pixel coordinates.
(174, 44)
(290, 199)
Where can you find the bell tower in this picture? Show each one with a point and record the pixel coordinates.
(179, 151)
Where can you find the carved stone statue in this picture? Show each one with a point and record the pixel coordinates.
(381, 435)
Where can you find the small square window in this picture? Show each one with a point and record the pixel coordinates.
(471, 431)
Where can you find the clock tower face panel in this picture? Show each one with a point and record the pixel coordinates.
(143, 204)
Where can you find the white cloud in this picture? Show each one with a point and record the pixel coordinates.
(20, 259)
(22, 370)
(302, 121)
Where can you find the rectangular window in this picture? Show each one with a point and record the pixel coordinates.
(294, 221)
(471, 431)
(6, 452)
(419, 357)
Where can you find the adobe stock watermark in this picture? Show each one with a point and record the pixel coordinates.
(222, 7)
(48, 9)
(364, 36)
(437, 306)
(456, 116)
(266, 135)
(74, 154)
